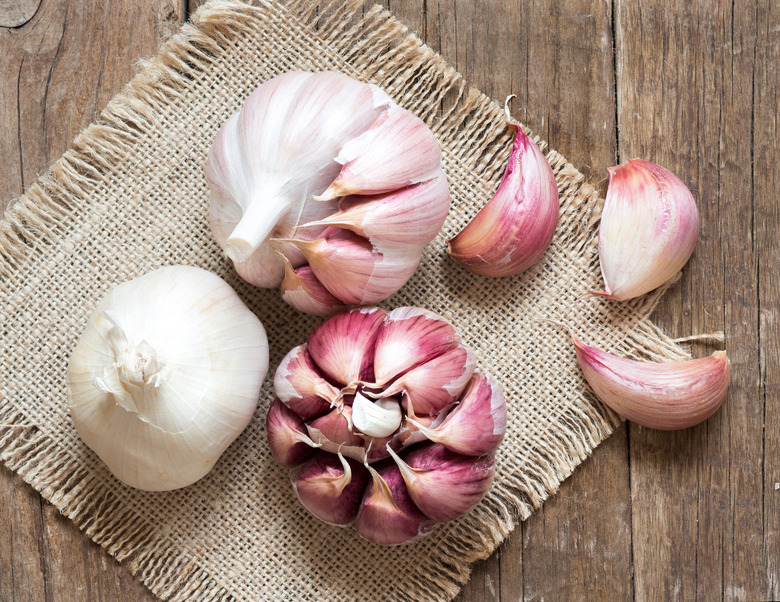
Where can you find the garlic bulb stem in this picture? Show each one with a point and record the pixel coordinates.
(136, 367)
(258, 221)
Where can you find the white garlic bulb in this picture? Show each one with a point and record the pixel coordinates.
(166, 375)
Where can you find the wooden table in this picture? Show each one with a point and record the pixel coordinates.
(690, 85)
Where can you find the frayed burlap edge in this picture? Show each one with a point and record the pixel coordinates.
(42, 214)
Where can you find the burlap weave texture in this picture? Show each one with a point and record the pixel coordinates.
(131, 196)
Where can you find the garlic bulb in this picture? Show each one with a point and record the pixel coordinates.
(649, 228)
(166, 375)
(369, 393)
(321, 185)
(514, 229)
(666, 396)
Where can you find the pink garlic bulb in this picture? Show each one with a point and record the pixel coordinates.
(323, 186)
(401, 431)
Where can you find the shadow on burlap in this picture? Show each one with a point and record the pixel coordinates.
(131, 197)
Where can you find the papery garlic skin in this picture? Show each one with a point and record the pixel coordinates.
(165, 376)
(287, 436)
(404, 378)
(516, 226)
(662, 396)
(648, 231)
(278, 168)
(331, 487)
(476, 426)
(388, 515)
(443, 484)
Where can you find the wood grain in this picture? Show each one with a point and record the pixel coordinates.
(690, 85)
(698, 496)
(15, 13)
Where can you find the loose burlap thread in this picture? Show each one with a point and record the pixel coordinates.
(130, 196)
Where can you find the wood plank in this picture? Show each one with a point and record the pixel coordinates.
(765, 182)
(685, 100)
(79, 569)
(63, 66)
(580, 540)
(21, 542)
(193, 5)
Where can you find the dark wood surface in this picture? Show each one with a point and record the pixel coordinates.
(690, 85)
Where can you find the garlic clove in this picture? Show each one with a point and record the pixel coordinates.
(410, 337)
(516, 226)
(396, 151)
(665, 396)
(435, 385)
(380, 418)
(300, 386)
(302, 290)
(335, 426)
(342, 346)
(287, 436)
(331, 487)
(387, 515)
(443, 484)
(408, 217)
(476, 426)
(649, 228)
(353, 272)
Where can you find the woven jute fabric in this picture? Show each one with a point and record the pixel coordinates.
(131, 196)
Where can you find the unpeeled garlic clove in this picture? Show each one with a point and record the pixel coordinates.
(476, 426)
(300, 386)
(287, 436)
(665, 396)
(331, 487)
(409, 433)
(396, 151)
(433, 386)
(349, 268)
(443, 484)
(516, 226)
(410, 337)
(335, 426)
(301, 289)
(649, 228)
(343, 345)
(388, 515)
(408, 217)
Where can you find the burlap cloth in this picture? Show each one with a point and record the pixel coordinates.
(131, 196)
